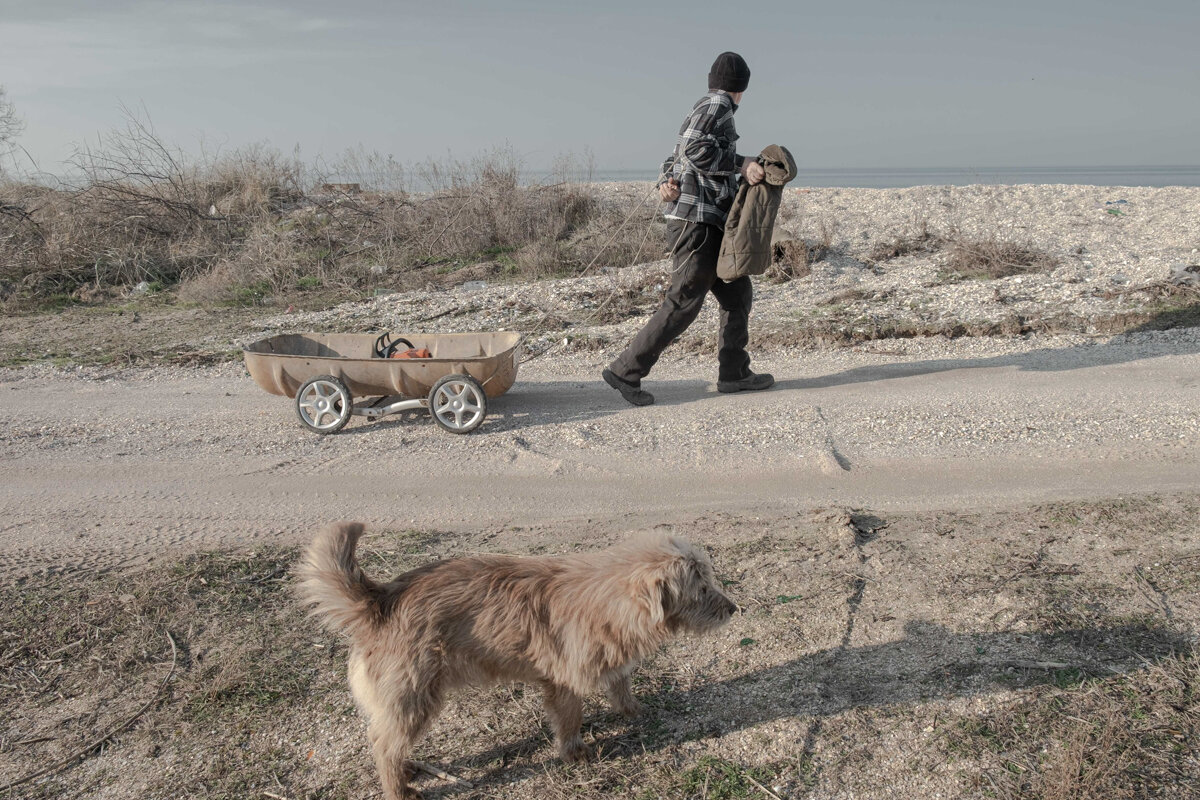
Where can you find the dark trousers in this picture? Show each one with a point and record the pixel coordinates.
(693, 276)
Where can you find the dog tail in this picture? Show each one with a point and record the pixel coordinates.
(334, 584)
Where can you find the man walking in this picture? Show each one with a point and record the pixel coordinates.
(698, 183)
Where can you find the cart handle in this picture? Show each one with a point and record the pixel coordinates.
(384, 346)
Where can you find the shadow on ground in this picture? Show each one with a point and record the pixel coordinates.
(1118, 349)
(929, 663)
(549, 403)
(575, 402)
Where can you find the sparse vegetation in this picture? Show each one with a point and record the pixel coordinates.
(720, 779)
(207, 251)
(966, 257)
(846, 319)
(1089, 702)
(995, 258)
(1123, 737)
(103, 640)
(793, 258)
(256, 224)
(921, 240)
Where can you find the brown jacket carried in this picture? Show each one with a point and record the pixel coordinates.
(746, 248)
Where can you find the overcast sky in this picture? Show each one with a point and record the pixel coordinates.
(872, 83)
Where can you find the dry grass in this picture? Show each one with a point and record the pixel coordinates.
(141, 214)
(839, 320)
(256, 225)
(79, 653)
(1125, 737)
(920, 240)
(995, 258)
(856, 296)
(966, 257)
(793, 258)
(1079, 692)
(843, 327)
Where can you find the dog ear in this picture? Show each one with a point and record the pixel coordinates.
(651, 596)
(678, 545)
(666, 585)
(652, 592)
(659, 575)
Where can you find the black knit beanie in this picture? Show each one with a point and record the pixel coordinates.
(730, 73)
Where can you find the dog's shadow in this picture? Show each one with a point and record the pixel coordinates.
(929, 663)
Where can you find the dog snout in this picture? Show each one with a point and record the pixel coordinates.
(722, 606)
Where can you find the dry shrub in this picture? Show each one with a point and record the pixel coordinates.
(264, 265)
(996, 258)
(250, 183)
(919, 240)
(826, 232)
(617, 236)
(140, 211)
(968, 258)
(539, 259)
(369, 168)
(241, 227)
(22, 237)
(11, 127)
(792, 258)
(187, 208)
(482, 205)
(477, 210)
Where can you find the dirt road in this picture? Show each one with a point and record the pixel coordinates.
(105, 471)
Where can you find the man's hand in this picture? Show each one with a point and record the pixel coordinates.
(752, 171)
(669, 191)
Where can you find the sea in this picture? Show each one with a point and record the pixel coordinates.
(900, 177)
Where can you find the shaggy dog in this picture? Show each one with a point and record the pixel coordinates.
(573, 624)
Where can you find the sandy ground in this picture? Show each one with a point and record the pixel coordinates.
(110, 470)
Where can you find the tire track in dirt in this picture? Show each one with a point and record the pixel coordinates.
(831, 459)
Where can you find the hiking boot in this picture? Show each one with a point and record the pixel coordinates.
(754, 382)
(635, 395)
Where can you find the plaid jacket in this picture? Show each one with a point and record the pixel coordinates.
(705, 162)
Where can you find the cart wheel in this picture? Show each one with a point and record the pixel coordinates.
(458, 403)
(324, 404)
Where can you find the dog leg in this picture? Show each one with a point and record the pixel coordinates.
(393, 740)
(565, 709)
(619, 690)
(390, 747)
